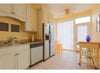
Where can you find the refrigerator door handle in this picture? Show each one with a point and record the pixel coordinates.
(50, 37)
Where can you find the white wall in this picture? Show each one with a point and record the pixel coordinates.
(95, 13)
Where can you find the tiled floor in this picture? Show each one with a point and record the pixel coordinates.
(64, 60)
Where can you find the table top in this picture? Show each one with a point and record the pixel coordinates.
(88, 43)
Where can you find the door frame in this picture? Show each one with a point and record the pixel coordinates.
(75, 31)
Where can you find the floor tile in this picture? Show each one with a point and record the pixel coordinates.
(65, 60)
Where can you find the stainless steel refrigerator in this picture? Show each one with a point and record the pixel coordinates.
(48, 41)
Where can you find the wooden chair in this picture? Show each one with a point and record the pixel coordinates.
(59, 47)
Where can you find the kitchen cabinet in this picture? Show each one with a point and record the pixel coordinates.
(7, 61)
(31, 23)
(23, 56)
(34, 19)
(6, 8)
(15, 57)
(50, 19)
(23, 59)
(17, 11)
(45, 16)
(28, 25)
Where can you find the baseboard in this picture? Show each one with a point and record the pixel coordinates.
(46, 59)
(52, 55)
(49, 57)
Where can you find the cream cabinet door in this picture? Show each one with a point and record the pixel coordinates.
(8, 61)
(34, 19)
(50, 18)
(28, 25)
(45, 15)
(31, 22)
(5, 8)
(20, 10)
(24, 59)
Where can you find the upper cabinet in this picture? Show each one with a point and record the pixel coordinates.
(51, 18)
(34, 19)
(31, 22)
(47, 16)
(22, 12)
(6, 8)
(28, 25)
(17, 11)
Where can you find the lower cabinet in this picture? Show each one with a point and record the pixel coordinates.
(17, 57)
(8, 61)
(23, 59)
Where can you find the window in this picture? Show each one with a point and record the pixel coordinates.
(82, 20)
(15, 28)
(4, 26)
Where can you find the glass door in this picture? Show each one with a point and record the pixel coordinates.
(81, 31)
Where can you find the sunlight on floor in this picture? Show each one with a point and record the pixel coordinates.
(64, 60)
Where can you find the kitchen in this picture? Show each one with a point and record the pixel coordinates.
(24, 40)
(47, 36)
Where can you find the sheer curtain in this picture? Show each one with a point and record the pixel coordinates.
(65, 34)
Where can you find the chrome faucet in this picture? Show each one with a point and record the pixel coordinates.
(10, 39)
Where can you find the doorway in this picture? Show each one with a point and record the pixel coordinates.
(81, 31)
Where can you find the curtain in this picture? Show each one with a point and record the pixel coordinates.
(65, 34)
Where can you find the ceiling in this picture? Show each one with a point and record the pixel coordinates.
(59, 9)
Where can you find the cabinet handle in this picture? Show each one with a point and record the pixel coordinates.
(17, 54)
(12, 12)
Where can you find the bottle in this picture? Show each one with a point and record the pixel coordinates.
(32, 38)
